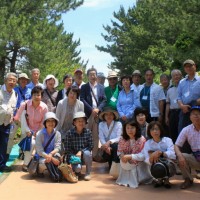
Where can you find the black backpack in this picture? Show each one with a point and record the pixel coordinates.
(54, 172)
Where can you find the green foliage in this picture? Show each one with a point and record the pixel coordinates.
(155, 34)
(33, 36)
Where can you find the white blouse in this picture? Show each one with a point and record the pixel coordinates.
(165, 145)
(104, 132)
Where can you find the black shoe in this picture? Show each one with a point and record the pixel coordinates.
(6, 169)
(167, 184)
(40, 175)
(157, 183)
(24, 168)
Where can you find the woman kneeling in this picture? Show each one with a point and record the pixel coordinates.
(48, 145)
(159, 153)
(133, 170)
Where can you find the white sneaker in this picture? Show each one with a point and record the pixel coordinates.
(87, 177)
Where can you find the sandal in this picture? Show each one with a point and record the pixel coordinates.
(186, 184)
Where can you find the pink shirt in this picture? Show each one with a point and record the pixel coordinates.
(190, 134)
(35, 115)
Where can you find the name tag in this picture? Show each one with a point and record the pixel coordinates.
(113, 99)
(187, 94)
(175, 101)
(144, 98)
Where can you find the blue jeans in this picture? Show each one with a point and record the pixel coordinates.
(87, 159)
(4, 135)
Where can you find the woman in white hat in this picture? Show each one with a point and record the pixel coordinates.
(133, 170)
(52, 151)
(79, 139)
(110, 132)
(50, 93)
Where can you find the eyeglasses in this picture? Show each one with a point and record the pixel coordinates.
(195, 114)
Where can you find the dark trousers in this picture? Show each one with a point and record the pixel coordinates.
(113, 157)
(173, 124)
(4, 135)
(184, 120)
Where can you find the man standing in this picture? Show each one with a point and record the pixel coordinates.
(136, 78)
(185, 88)
(78, 78)
(152, 97)
(8, 101)
(172, 108)
(35, 75)
(94, 99)
(112, 91)
(191, 134)
(23, 94)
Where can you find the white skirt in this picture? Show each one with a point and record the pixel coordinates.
(132, 178)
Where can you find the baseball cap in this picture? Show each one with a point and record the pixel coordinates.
(191, 62)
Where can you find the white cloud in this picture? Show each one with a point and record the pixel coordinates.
(102, 3)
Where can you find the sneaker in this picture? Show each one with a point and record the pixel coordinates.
(87, 177)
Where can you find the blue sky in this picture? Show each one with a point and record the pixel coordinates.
(87, 21)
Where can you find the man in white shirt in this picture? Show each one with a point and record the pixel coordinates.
(8, 102)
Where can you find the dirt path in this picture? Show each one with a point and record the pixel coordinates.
(20, 186)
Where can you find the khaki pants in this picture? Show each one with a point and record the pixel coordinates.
(192, 163)
(93, 126)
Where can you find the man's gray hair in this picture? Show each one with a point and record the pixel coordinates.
(10, 74)
(176, 71)
(35, 69)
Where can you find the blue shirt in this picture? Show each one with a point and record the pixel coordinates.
(23, 94)
(127, 103)
(195, 93)
(31, 85)
(185, 89)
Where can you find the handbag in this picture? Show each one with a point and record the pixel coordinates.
(54, 172)
(74, 160)
(25, 144)
(34, 162)
(114, 170)
(164, 168)
(100, 155)
(68, 173)
(33, 165)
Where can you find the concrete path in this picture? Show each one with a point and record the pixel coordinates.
(19, 185)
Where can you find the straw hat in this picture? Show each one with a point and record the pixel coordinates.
(107, 110)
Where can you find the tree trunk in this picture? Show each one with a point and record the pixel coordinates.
(14, 58)
(2, 69)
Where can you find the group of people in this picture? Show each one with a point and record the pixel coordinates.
(136, 125)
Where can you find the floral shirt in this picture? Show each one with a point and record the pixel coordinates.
(131, 147)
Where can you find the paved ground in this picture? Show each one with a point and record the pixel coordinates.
(18, 185)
